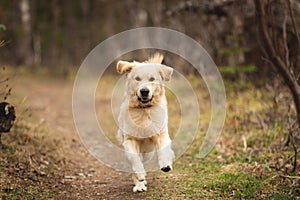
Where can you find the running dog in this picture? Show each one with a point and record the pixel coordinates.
(143, 118)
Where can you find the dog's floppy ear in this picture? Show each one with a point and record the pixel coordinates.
(166, 72)
(124, 66)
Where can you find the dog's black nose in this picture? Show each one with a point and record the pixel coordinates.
(144, 92)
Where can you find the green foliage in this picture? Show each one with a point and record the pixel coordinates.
(237, 69)
(2, 27)
(234, 51)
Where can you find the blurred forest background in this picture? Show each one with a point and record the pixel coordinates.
(256, 46)
(59, 34)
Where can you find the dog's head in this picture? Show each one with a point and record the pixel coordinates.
(145, 80)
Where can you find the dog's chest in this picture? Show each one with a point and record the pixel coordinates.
(146, 122)
(142, 118)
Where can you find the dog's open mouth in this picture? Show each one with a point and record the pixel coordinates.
(144, 100)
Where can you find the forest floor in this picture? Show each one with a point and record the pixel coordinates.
(43, 158)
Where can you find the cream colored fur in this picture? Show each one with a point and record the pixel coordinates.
(143, 127)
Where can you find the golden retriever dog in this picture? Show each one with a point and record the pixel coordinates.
(143, 118)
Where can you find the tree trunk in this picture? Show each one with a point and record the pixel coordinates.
(25, 47)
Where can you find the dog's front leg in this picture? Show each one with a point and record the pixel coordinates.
(164, 151)
(132, 151)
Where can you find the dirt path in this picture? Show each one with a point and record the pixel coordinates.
(85, 177)
(33, 169)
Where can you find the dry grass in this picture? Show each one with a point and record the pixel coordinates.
(241, 164)
(30, 163)
(239, 167)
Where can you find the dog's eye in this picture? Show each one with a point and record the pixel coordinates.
(151, 79)
(138, 78)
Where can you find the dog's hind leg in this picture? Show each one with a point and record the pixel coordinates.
(132, 151)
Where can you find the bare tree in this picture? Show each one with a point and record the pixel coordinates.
(277, 50)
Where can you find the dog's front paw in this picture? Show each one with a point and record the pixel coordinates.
(167, 168)
(140, 187)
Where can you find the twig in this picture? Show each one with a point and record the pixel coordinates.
(244, 143)
(250, 156)
(273, 32)
(293, 128)
(291, 177)
(295, 151)
(292, 186)
(287, 160)
(284, 38)
(5, 80)
(2, 43)
(260, 120)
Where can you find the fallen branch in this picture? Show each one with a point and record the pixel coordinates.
(286, 161)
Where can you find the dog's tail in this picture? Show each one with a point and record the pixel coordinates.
(156, 58)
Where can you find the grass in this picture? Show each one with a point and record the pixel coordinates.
(212, 180)
(28, 192)
(233, 170)
(29, 160)
(239, 167)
